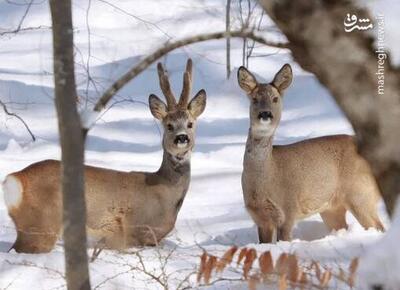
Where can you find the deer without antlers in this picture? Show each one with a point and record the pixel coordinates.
(124, 209)
(283, 184)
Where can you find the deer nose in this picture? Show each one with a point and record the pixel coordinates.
(265, 115)
(181, 139)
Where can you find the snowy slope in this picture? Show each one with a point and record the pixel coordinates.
(127, 138)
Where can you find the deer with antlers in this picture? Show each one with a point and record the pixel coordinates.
(124, 209)
(287, 183)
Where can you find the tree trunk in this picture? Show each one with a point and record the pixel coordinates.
(72, 147)
(346, 64)
(228, 39)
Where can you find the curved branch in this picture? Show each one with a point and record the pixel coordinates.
(148, 60)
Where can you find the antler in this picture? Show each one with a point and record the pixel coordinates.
(187, 85)
(166, 87)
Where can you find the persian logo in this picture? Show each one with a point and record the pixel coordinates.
(352, 22)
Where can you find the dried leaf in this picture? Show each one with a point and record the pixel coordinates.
(353, 266)
(251, 255)
(303, 277)
(226, 259)
(253, 281)
(282, 282)
(352, 271)
(293, 268)
(342, 275)
(315, 265)
(242, 254)
(326, 277)
(281, 264)
(203, 260)
(210, 265)
(266, 263)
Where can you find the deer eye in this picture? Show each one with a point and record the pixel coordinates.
(170, 127)
(190, 125)
(275, 99)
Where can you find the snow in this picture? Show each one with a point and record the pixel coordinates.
(126, 137)
(384, 254)
(88, 117)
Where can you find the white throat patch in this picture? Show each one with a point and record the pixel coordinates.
(182, 145)
(182, 158)
(265, 122)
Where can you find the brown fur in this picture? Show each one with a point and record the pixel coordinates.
(284, 184)
(124, 209)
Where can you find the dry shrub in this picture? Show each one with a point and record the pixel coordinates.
(203, 260)
(315, 265)
(253, 281)
(303, 277)
(282, 282)
(326, 277)
(251, 255)
(226, 259)
(210, 265)
(266, 263)
(288, 271)
(352, 271)
(242, 254)
(281, 264)
(292, 268)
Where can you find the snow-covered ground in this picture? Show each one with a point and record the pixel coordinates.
(126, 137)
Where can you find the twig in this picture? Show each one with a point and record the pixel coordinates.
(98, 248)
(19, 27)
(24, 15)
(146, 22)
(19, 118)
(89, 52)
(32, 265)
(102, 283)
(15, 31)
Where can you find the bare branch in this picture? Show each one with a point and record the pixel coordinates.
(19, 118)
(15, 31)
(146, 22)
(72, 149)
(228, 39)
(19, 27)
(41, 267)
(24, 15)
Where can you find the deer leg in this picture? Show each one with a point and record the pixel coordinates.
(266, 234)
(335, 219)
(367, 217)
(362, 203)
(362, 200)
(34, 241)
(284, 232)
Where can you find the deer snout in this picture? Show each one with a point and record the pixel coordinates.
(181, 139)
(265, 116)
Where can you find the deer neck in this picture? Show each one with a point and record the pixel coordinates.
(175, 169)
(258, 156)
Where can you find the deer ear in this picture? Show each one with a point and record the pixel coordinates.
(246, 80)
(283, 78)
(157, 107)
(198, 104)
